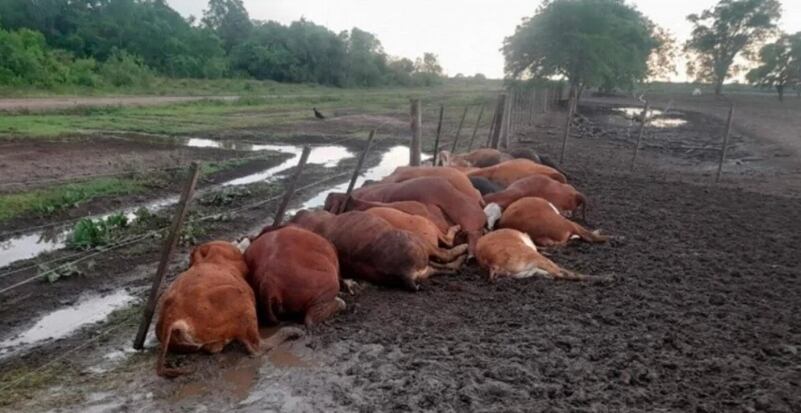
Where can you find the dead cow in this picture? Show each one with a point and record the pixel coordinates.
(294, 272)
(479, 158)
(432, 191)
(564, 196)
(510, 253)
(542, 222)
(208, 306)
(416, 225)
(433, 213)
(370, 249)
(510, 171)
(457, 178)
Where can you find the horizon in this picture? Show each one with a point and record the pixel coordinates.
(460, 48)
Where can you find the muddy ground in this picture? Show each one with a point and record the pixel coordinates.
(701, 315)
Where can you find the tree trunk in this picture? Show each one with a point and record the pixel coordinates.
(718, 87)
(780, 90)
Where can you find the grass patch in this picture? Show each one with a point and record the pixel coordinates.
(48, 201)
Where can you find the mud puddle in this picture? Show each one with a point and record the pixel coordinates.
(65, 321)
(656, 118)
(30, 245)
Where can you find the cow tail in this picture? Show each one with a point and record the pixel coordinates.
(161, 365)
(589, 236)
(281, 336)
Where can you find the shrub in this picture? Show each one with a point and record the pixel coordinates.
(124, 69)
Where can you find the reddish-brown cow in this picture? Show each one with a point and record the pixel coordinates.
(510, 171)
(432, 191)
(433, 213)
(208, 306)
(416, 225)
(479, 158)
(510, 253)
(294, 272)
(371, 249)
(457, 178)
(563, 196)
(542, 222)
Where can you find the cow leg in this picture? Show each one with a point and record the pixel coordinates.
(320, 312)
(269, 310)
(251, 340)
(448, 255)
(447, 239)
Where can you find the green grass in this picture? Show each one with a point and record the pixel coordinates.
(48, 201)
(291, 104)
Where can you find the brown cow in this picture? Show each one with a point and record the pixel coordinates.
(416, 225)
(510, 253)
(542, 222)
(432, 191)
(433, 213)
(208, 306)
(371, 249)
(479, 158)
(508, 172)
(563, 196)
(457, 178)
(294, 272)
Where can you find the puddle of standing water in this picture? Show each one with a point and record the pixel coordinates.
(30, 245)
(656, 117)
(63, 322)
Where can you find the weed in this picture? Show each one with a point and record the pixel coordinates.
(224, 197)
(89, 233)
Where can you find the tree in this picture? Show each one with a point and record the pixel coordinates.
(720, 34)
(780, 66)
(590, 42)
(429, 64)
(230, 20)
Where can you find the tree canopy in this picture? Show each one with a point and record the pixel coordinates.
(780, 64)
(590, 42)
(721, 33)
(147, 36)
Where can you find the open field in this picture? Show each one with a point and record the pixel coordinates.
(701, 313)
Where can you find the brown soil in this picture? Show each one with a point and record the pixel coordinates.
(701, 315)
(41, 104)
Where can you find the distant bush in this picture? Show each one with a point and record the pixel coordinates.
(123, 69)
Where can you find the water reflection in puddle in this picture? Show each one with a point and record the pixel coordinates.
(30, 245)
(656, 117)
(61, 323)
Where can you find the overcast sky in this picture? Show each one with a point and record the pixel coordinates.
(466, 34)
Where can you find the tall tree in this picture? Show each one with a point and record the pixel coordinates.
(230, 20)
(721, 33)
(590, 42)
(780, 65)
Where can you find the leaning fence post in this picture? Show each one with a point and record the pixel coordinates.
(644, 120)
(355, 175)
(475, 128)
(436, 138)
(415, 146)
(498, 123)
(290, 190)
(545, 100)
(166, 253)
(508, 119)
(568, 122)
(459, 130)
(725, 142)
(492, 127)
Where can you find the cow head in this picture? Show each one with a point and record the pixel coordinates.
(221, 253)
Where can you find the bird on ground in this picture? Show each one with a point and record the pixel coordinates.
(317, 114)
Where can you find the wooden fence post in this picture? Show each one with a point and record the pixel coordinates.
(725, 144)
(415, 146)
(166, 253)
(459, 130)
(545, 94)
(492, 127)
(568, 123)
(290, 190)
(475, 128)
(644, 120)
(359, 165)
(507, 120)
(436, 138)
(498, 123)
(533, 106)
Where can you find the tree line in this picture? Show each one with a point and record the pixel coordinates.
(123, 42)
(609, 44)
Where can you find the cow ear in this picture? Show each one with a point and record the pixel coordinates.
(198, 254)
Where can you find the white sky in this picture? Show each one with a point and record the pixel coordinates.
(466, 34)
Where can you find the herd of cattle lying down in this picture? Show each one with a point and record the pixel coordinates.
(416, 222)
